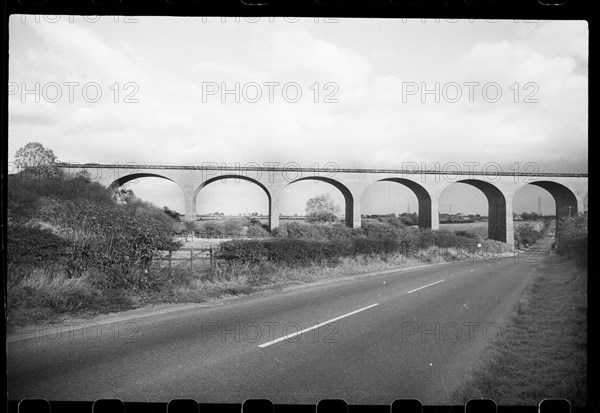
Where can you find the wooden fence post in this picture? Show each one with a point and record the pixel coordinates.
(192, 261)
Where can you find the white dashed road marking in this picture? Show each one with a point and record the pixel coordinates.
(297, 333)
(425, 286)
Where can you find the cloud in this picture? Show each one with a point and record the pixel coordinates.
(30, 114)
(84, 52)
(559, 38)
(371, 126)
(296, 54)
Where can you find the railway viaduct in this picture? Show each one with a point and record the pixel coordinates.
(568, 190)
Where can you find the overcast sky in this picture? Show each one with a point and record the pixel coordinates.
(310, 92)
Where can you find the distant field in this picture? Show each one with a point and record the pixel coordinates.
(481, 228)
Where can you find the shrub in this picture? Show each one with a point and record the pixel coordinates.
(214, 229)
(189, 226)
(322, 232)
(33, 246)
(467, 234)
(296, 251)
(380, 230)
(526, 235)
(492, 249)
(427, 239)
(90, 231)
(233, 226)
(24, 191)
(218, 229)
(243, 251)
(298, 230)
(374, 246)
(341, 232)
(257, 231)
(288, 251)
(173, 214)
(572, 238)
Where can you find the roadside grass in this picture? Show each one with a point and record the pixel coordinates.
(238, 279)
(243, 279)
(44, 296)
(543, 351)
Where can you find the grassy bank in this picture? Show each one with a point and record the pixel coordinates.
(48, 293)
(44, 296)
(543, 351)
(248, 278)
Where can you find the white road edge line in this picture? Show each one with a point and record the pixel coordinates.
(425, 286)
(297, 333)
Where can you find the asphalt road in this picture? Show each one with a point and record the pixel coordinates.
(415, 333)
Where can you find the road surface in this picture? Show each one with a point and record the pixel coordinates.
(415, 333)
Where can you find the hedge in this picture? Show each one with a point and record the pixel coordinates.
(299, 251)
(572, 238)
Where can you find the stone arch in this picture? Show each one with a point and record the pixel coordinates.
(348, 198)
(564, 198)
(234, 176)
(497, 212)
(127, 178)
(423, 196)
(122, 180)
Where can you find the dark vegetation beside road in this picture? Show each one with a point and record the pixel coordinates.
(245, 227)
(526, 235)
(572, 239)
(72, 247)
(305, 244)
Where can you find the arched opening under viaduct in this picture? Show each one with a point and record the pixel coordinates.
(531, 200)
(496, 206)
(347, 196)
(564, 199)
(154, 188)
(241, 194)
(416, 192)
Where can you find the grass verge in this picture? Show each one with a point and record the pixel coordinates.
(543, 353)
(45, 295)
(48, 295)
